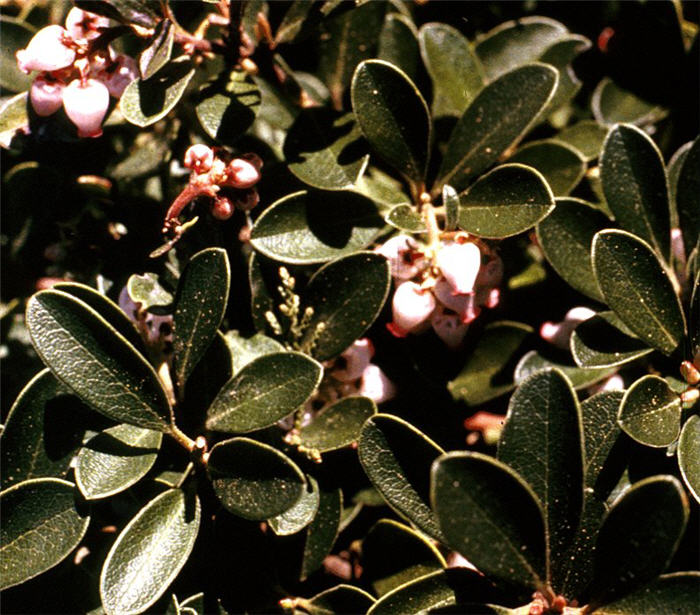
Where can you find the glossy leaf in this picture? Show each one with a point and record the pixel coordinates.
(315, 227)
(149, 553)
(689, 455)
(560, 164)
(397, 458)
(264, 391)
(115, 459)
(405, 218)
(246, 350)
(457, 82)
(495, 120)
(144, 102)
(637, 287)
(300, 514)
(650, 412)
(484, 376)
(322, 532)
(139, 12)
(398, 44)
(580, 377)
(338, 425)
(89, 356)
(158, 52)
(253, 480)
(612, 104)
(668, 595)
(40, 525)
(687, 200)
(347, 295)
(509, 200)
(634, 183)
(340, 600)
(393, 116)
(200, 304)
(489, 514)
(15, 35)
(586, 136)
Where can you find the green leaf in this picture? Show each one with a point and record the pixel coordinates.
(90, 356)
(405, 218)
(689, 455)
(159, 51)
(294, 21)
(694, 316)
(13, 118)
(338, 425)
(393, 554)
(634, 183)
(397, 457)
(491, 516)
(139, 12)
(673, 171)
(507, 201)
(586, 136)
(253, 480)
(15, 35)
(325, 149)
(393, 117)
(561, 165)
(246, 350)
(347, 295)
(315, 227)
(603, 341)
(149, 553)
(339, 600)
(144, 102)
(455, 82)
(263, 392)
(322, 532)
(650, 412)
(580, 377)
(398, 44)
(200, 305)
(495, 120)
(560, 55)
(227, 107)
(670, 594)
(147, 290)
(40, 526)
(565, 237)
(42, 431)
(450, 200)
(652, 514)
(601, 432)
(637, 287)
(687, 200)
(301, 514)
(484, 376)
(612, 104)
(115, 459)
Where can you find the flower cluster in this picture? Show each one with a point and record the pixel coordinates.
(75, 71)
(445, 288)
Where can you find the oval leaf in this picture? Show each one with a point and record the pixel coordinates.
(509, 200)
(322, 532)
(338, 425)
(689, 455)
(40, 526)
(612, 104)
(405, 218)
(90, 356)
(580, 377)
(149, 553)
(340, 600)
(301, 514)
(687, 199)
(263, 392)
(398, 44)
(586, 136)
(637, 287)
(253, 480)
(670, 594)
(561, 165)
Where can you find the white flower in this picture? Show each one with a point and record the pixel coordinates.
(459, 263)
(559, 333)
(448, 327)
(376, 385)
(86, 106)
(119, 74)
(46, 51)
(199, 158)
(83, 25)
(356, 358)
(46, 96)
(242, 173)
(404, 260)
(412, 307)
(463, 305)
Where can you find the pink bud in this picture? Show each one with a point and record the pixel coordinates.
(248, 199)
(83, 25)
(404, 258)
(376, 385)
(199, 158)
(223, 208)
(254, 159)
(46, 96)
(46, 51)
(459, 263)
(86, 106)
(448, 327)
(411, 306)
(560, 333)
(119, 74)
(242, 174)
(354, 360)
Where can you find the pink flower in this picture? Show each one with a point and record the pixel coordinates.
(223, 207)
(463, 305)
(459, 263)
(86, 106)
(46, 95)
(199, 158)
(559, 333)
(248, 199)
(449, 327)
(119, 74)
(412, 307)
(83, 25)
(242, 173)
(356, 358)
(376, 385)
(46, 51)
(405, 261)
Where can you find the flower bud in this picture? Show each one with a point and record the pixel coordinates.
(459, 263)
(223, 208)
(248, 199)
(83, 25)
(242, 173)
(254, 159)
(376, 385)
(46, 96)
(119, 74)
(690, 373)
(199, 158)
(86, 106)
(356, 358)
(403, 256)
(448, 327)
(411, 306)
(560, 333)
(46, 51)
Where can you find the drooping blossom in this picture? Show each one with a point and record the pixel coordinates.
(86, 105)
(46, 95)
(47, 51)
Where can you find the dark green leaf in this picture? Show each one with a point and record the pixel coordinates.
(560, 164)
(253, 480)
(393, 117)
(147, 290)
(158, 52)
(634, 183)
(149, 552)
(385, 190)
(397, 457)
(40, 526)
(600, 432)
(586, 136)
(639, 537)
(202, 295)
(507, 201)
(673, 171)
(455, 82)
(405, 218)
(483, 376)
(144, 102)
(325, 149)
(246, 350)
(398, 44)
(694, 316)
(601, 341)
(670, 594)
(394, 554)
(227, 107)
(650, 412)
(294, 21)
(300, 514)
(637, 287)
(115, 459)
(339, 600)
(13, 118)
(338, 425)
(261, 291)
(347, 296)
(89, 356)
(495, 120)
(491, 516)
(450, 200)
(15, 35)
(314, 227)
(580, 377)
(560, 55)
(611, 104)
(322, 532)
(140, 12)
(689, 455)
(687, 199)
